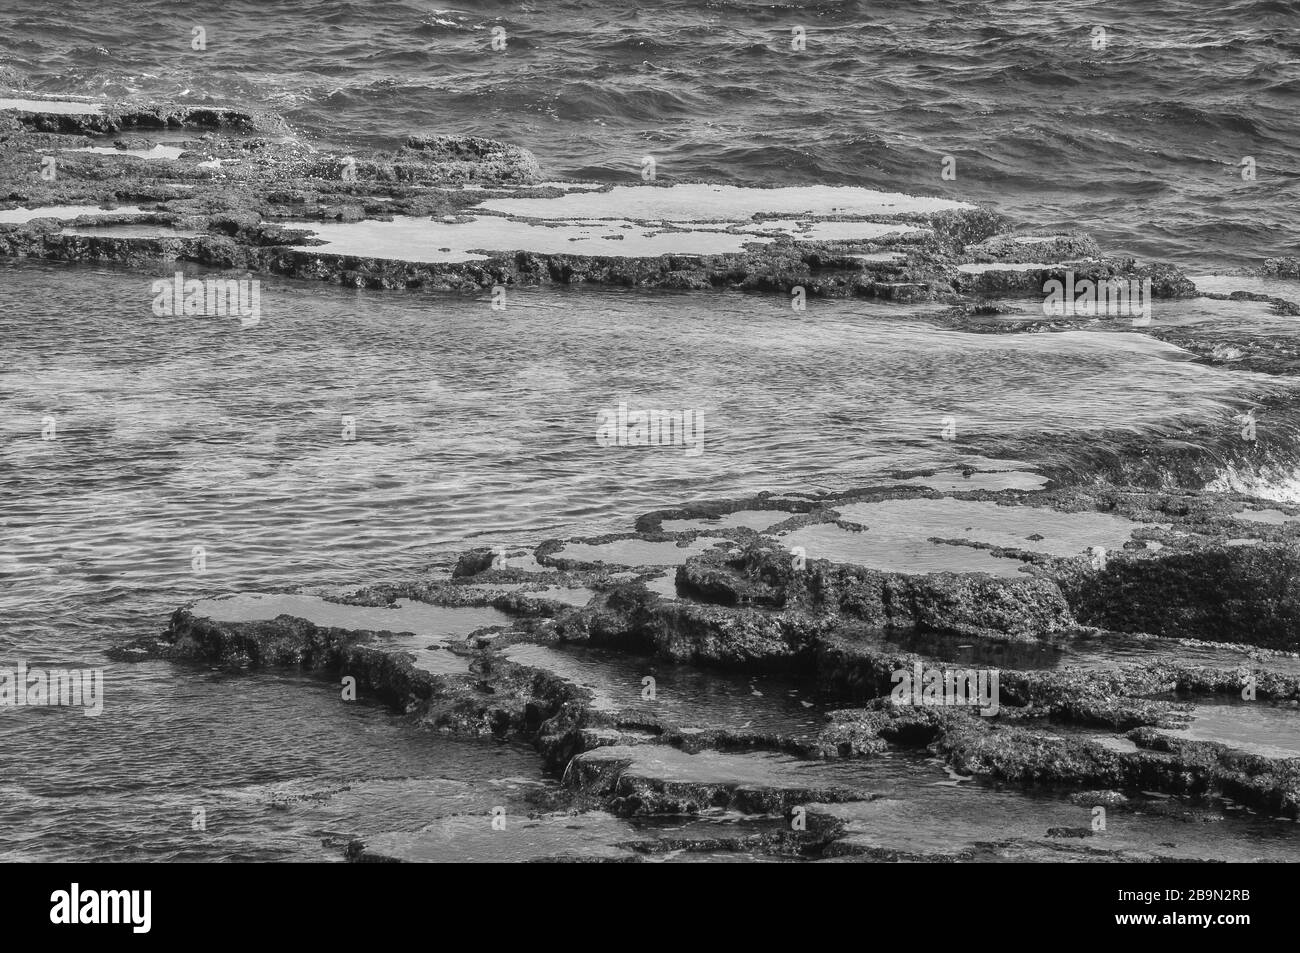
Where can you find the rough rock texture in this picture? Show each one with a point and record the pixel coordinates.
(1098, 732)
(243, 175)
(1089, 653)
(1216, 591)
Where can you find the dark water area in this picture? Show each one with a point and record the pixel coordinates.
(1138, 142)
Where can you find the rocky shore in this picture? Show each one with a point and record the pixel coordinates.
(1140, 632)
(1106, 670)
(146, 185)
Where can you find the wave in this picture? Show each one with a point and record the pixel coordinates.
(1277, 485)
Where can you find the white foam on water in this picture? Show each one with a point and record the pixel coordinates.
(169, 153)
(1278, 488)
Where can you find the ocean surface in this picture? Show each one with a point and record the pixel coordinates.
(476, 427)
(1139, 143)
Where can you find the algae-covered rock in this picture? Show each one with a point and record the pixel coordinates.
(1225, 593)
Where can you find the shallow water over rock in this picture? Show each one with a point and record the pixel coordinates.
(15, 216)
(474, 837)
(1002, 480)
(990, 824)
(764, 775)
(966, 651)
(129, 231)
(1114, 649)
(432, 241)
(417, 628)
(54, 106)
(683, 695)
(757, 520)
(1062, 534)
(418, 618)
(630, 221)
(160, 151)
(635, 552)
(711, 203)
(898, 534)
(896, 552)
(1104, 652)
(1253, 727)
(1271, 516)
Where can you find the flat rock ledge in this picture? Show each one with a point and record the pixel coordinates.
(152, 185)
(1119, 681)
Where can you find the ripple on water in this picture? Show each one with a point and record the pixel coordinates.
(684, 695)
(275, 760)
(980, 820)
(1253, 727)
(473, 838)
(175, 432)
